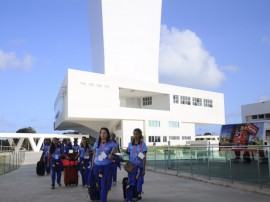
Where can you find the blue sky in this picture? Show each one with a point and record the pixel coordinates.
(40, 40)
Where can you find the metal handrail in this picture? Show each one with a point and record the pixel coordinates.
(228, 163)
(10, 161)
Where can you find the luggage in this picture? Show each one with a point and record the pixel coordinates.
(125, 184)
(40, 169)
(70, 172)
(94, 192)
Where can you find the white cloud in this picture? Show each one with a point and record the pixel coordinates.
(184, 61)
(10, 60)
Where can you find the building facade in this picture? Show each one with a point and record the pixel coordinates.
(123, 92)
(254, 112)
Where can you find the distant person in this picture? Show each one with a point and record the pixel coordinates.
(67, 146)
(76, 147)
(55, 162)
(46, 149)
(137, 155)
(116, 160)
(85, 154)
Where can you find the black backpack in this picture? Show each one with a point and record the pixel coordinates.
(40, 169)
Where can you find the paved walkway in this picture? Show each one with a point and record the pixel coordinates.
(23, 185)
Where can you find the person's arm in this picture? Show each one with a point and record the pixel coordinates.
(49, 159)
(93, 158)
(144, 159)
(144, 163)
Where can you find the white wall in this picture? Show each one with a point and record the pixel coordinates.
(130, 34)
(255, 109)
(93, 101)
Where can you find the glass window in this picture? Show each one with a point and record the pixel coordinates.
(208, 103)
(175, 99)
(186, 137)
(261, 116)
(254, 116)
(59, 107)
(173, 124)
(147, 101)
(154, 123)
(185, 100)
(157, 138)
(164, 138)
(174, 138)
(197, 101)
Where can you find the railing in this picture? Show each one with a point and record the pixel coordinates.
(6, 148)
(244, 165)
(232, 164)
(10, 161)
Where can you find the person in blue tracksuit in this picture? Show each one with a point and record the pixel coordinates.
(55, 162)
(116, 160)
(102, 160)
(85, 154)
(46, 149)
(137, 155)
(76, 147)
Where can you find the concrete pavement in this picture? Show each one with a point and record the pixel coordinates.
(24, 185)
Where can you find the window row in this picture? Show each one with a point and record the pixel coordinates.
(186, 100)
(172, 124)
(158, 139)
(261, 116)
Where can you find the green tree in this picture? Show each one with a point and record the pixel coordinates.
(26, 141)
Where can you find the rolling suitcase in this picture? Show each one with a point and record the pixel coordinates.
(70, 172)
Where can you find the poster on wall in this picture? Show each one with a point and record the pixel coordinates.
(242, 134)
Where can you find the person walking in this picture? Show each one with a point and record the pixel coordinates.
(137, 155)
(55, 162)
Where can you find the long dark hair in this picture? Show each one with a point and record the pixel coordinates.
(52, 146)
(86, 146)
(108, 135)
(139, 132)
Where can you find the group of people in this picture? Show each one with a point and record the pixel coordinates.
(99, 164)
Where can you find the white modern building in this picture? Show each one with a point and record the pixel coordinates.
(254, 112)
(124, 92)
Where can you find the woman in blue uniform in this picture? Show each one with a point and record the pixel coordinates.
(76, 147)
(46, 149)
(137, 155)
(54, 159)
(102, 160)
(115, 161)
(85, 153)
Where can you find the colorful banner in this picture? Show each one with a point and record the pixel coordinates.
(242, 134)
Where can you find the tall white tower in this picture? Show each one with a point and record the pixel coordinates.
(125, 36)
